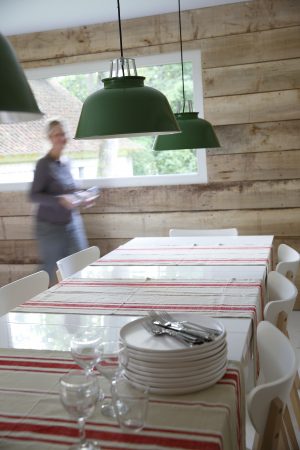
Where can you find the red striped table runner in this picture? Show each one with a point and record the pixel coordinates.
(242, 298)
(31, 415)
(192, 255)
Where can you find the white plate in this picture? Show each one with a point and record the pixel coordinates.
(186, 352)
(178, 364)
(172, 372)
(137, 338)
(184, 382)
(160, 381)
(182, 389)
(166, 358)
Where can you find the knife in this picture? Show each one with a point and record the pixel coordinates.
(196, 337)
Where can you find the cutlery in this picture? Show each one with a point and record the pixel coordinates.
(182, 326)
(161, 331)
(164, 315)
(194, 338)
(155, 316)
(164, 318)
(194, 335)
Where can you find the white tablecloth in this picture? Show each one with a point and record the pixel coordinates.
(32, 417)
(221, 251)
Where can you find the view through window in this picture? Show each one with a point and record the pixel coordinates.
(119, 161)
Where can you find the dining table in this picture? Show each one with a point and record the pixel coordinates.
(193, 250)
(32, 417)
(107, 295)
(156, 272)
(90, 292)
(34, 354)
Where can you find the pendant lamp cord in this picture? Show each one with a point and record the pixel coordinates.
(120, 35)
(182, 73)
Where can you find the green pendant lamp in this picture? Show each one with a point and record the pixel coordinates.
(125, 107)
(195, 132)
(17, 103)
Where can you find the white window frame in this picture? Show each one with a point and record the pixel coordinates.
(193, 56)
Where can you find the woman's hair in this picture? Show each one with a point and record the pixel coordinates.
(51, 124)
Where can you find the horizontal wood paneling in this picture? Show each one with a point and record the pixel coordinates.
(274, 221)
(12, 272)
(257, 137)
(248, 222)
(250, 78)
(15, 204)
(156, 30)
(192, 197)
(277, 222)
(214, 196)
(18, 251)
(254, 166)
(251, 108)
(19, 229)
(2, 234)
(270, 45)
(26, 252)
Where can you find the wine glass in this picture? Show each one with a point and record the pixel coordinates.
(79, 394)
(86, 349)
(130, 404)
(109, 366)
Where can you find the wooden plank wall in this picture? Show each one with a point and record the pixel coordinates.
(251, 76)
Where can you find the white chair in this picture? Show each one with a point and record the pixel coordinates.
(288, 261)
(282, 294)
(73, 263)
(17, 292)
(266, 402)
(189, 232)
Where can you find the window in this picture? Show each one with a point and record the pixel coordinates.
(60, 92)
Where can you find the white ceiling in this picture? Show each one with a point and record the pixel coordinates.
(26, 16)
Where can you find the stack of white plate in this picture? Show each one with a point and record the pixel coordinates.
(166, 365)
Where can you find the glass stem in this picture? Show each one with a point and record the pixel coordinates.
(81, 426)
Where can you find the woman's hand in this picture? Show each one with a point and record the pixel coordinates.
(66, 202)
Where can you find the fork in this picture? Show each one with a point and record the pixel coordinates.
(191, 336)
(164, 315)
(155, 330)
(183, 328)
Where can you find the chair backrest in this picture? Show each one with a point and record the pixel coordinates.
(282, 295)
(189, 232)
(73, 263)
(288, 261)
(17, 292)
(278, 365)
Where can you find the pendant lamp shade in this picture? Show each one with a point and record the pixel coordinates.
(17, 103)
(125, 107)
(195, 133)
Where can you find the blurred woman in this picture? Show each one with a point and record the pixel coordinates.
(59, 226)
